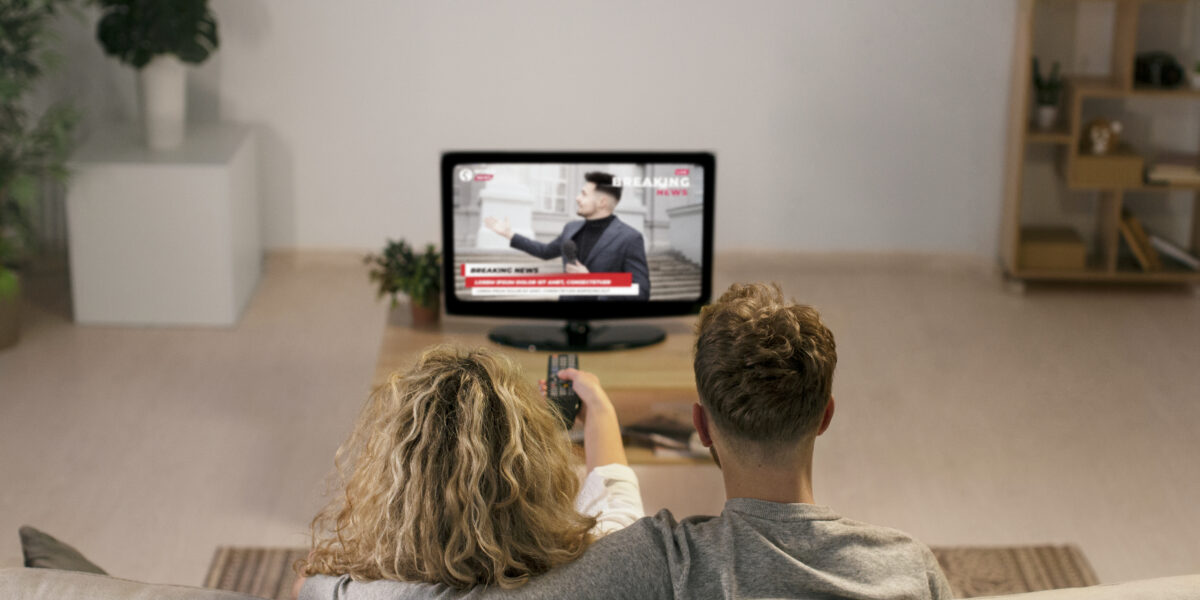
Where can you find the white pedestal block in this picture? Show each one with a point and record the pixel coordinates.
(164, 237)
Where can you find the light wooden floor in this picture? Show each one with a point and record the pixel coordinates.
(966, 415)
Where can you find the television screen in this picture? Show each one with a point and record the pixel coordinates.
(577, 235)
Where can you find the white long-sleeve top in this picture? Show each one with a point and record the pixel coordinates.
(612, 495)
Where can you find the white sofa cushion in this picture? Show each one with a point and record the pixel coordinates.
(1183, 587)
(52, 584)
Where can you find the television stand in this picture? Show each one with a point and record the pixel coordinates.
(577, 336)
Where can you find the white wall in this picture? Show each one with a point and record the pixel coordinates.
(848, 125)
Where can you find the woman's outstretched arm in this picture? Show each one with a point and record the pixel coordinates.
(601, 431)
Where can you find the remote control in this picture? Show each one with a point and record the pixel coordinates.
(559, 392)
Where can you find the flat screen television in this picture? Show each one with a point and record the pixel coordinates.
(578, 237)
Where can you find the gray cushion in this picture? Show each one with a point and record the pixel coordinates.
(43, 551)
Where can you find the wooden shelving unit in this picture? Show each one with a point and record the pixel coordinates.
(1023, 138)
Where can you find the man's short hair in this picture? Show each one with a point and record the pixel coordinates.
(604, 183)
(764, 366)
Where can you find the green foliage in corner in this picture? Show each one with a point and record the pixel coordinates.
(9, 284)
(400, 270)
(32, 147)
(135, 31)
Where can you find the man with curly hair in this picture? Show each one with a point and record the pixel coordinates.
(764, 372)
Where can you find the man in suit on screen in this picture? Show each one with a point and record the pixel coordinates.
(603, 243)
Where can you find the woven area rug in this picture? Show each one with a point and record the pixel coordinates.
(995, 571)
(262, 572)
(983, 571)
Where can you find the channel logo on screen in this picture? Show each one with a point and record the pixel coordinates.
(467, 175)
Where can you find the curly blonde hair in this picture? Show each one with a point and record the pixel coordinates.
(457, 472)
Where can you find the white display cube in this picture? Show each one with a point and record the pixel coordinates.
(164, 237)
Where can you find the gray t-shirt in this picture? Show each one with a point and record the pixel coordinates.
(754, 549)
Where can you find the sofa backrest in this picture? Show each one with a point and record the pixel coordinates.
(52, 584)
(1183, 587)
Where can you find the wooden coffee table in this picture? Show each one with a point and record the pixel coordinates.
(641, 381)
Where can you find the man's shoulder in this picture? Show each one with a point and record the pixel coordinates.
(880, 544)
(877, 534)
(570, 227)
(625, 228)
(660, 533)
(626, 233)
(905, 551)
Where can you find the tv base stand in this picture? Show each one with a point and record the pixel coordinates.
(577, 336)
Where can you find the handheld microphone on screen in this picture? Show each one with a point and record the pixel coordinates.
(570, 251)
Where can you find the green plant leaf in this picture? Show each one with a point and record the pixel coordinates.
(10, 286)
(23, 190)
(399, 270)
(27, 154)
(135, 31)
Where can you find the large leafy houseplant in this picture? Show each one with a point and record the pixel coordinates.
(159, 38)
(398, 269)
(136, 31)
(33, 147)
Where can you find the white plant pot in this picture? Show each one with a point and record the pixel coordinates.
(1047, 116)
(162, 87)
(1196, 80)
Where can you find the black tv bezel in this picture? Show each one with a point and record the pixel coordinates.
(575, 310)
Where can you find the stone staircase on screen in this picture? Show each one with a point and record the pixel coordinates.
(672, 277)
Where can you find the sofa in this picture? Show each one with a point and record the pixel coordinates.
(54, 584)
(57, 571)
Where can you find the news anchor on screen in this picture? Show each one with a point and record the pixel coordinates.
(600, 243)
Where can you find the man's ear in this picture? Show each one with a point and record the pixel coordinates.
(700, 420)
(827, 417)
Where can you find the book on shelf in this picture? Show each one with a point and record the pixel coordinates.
(1135, 237)
(1175, 252)
(1144, 240)
(670, 434)
(1174, 169)
(660, 430)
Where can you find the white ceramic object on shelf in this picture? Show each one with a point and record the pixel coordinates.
(1196, 80)
(162, 87)
(1047, 116)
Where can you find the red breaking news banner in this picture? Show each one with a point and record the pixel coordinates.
(552, 281)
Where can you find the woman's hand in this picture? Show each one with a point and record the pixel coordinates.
(601, 431)
(586, 386)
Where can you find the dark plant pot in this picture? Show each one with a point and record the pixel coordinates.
(10, 320)
(425, 316)
(415, 315)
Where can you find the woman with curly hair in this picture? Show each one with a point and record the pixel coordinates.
(458, 472)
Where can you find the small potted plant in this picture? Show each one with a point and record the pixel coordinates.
(157, 37)
(1047, 94)
(32, 148)
(400, 270)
